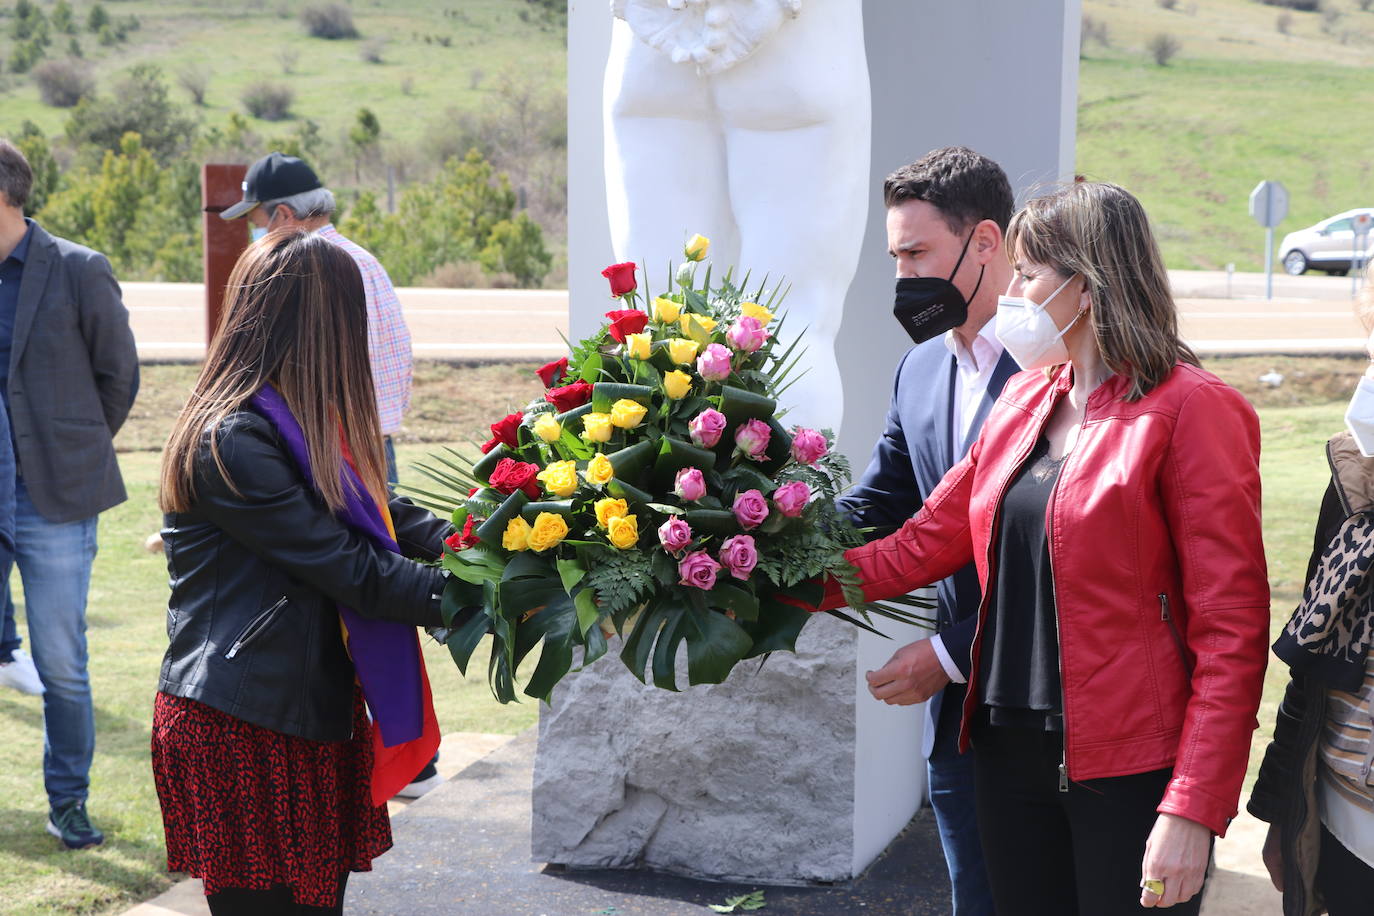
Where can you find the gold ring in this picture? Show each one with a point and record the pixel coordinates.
(1154, 886)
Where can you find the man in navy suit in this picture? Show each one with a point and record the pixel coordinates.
(946, 215)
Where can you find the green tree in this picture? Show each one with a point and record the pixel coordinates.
(517, 247)
(363, 136)
(142, 215)
(62, 18)
(38, 152)
(97, 19)
(29, 23)
(138, 104)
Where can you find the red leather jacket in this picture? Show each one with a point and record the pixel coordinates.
(1159, 574)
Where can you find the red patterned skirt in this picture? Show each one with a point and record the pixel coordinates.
(247, 807)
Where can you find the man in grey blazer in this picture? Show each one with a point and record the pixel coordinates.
(68, 376)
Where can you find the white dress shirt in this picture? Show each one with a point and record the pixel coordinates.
(974, 371)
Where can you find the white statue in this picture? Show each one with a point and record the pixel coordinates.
(747, 121)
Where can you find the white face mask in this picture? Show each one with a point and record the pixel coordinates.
(256, 232)
(1359, 416)
(1029, 333)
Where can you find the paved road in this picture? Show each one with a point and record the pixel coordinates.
(1314, 315)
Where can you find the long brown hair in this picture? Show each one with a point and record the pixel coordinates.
(1099, 231)
(295, 317)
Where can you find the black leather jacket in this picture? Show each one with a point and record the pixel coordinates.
(256, 576)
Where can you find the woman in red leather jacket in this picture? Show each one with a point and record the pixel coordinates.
(1112, 507)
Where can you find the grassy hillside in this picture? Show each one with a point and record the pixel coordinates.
(244, 41)
(1240, 103)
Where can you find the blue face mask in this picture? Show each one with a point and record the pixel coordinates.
(256, 232)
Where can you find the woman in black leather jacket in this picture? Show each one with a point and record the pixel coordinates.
(263, 752)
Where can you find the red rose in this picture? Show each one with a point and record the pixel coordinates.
(509, 476)
(626, 321)
(569, 396)
(462, 541)
(553, 372)
(506, 431)
(622, 277)
(489, 445)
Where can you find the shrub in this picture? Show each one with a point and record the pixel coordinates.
(1167, 4)
(1283, 22)
(269, 101)
(1364, 5)
(288, 57)
(1307, 6)
(195, 79)
(62, 18)
(29, 23)
(1095, 29)
(74, 48)
(329, 20)
(1331, 17)
(370, 51)
(1162, 47)
(444, 40)
(63, 83)
(138, 104)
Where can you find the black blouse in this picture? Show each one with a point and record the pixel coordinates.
(1018, 665)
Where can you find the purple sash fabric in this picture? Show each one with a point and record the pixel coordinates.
(385, 654)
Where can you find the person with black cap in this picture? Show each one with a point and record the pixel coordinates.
(282, 191)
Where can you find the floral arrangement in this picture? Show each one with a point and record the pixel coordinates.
(653, 492)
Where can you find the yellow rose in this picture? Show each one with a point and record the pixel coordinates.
(666, 310)
(517, 535)
(637, 345)
(596, 427)
(696, 247)
(682, 350)
(623, 531)
(547, 428)
(607, 509)
(627, 414)
(599, 470)
(549, 530)
(676, 384)
(560, 479)
(707, 323)
(754, 310)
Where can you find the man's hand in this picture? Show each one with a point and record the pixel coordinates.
(913, 675)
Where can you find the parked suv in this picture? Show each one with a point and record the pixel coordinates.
(1328, 246)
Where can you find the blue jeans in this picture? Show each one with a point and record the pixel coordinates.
(9, 633)
(54, 562)
(952, 798)
(389, 448)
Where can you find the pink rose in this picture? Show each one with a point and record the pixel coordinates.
(707, 427)
(698, 570)
(808, 446)
(791, 498)
(746, 335)
(674, 534)
(689, 484)
(750, 509)
(739, 555)
(751, 439)
(714, 363)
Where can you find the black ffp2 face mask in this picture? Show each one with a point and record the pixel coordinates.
(929, 306)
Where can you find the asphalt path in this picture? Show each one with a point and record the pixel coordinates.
(1310, 314)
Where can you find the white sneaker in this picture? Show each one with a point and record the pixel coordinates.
(421, 786)
(21, 674)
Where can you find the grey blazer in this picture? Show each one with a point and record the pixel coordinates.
(73, 377)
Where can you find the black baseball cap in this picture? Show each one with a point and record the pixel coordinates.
(273, 177)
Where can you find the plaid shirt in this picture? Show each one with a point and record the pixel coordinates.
(388, 338)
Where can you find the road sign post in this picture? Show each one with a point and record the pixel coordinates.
(1268, 206)
(1362, 223)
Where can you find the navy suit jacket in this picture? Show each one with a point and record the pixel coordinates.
(914, 453)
